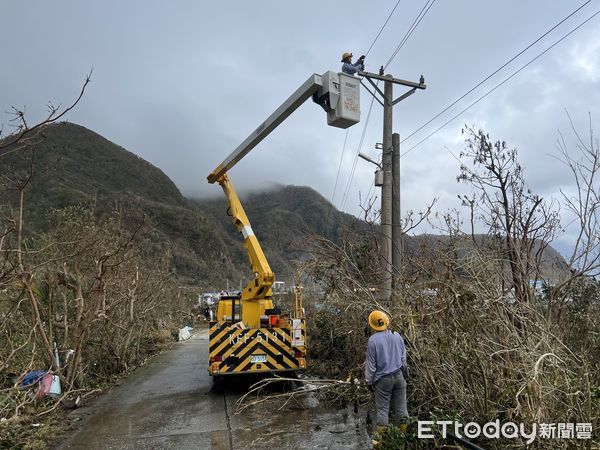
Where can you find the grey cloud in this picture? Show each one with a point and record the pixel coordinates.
(181, 84)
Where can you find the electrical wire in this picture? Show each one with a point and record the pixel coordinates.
(411, 29)
(502, 82)
(352, 171)
(409, 32)
(494, 72)
(383, 26)
(346, 136)
(362, 138)
(339, 166)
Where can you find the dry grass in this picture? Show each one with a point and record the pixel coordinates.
(475, 353)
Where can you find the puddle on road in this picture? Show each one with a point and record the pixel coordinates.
(301, 423)
(206, 418)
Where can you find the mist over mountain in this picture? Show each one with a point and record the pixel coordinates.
(72, 165)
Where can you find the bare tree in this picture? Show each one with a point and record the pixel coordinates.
(508, 208)
(83, 283)
(474, 353)
(584, 202)
(21, 144)
(22, 130)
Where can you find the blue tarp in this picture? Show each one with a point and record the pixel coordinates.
(33, 377)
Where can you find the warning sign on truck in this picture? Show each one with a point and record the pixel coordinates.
(297, 333)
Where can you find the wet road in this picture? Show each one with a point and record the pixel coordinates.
(171, 404)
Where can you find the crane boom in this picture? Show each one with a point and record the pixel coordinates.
(250, 334)
(337, 93)
(303, 93)
(260, 287)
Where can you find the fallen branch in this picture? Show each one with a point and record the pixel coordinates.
(60, 399)
(256, 388)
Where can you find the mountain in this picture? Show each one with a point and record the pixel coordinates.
(469, 250)
(72, 165)
(281, 217)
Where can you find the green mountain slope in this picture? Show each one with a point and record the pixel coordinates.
(73, 165)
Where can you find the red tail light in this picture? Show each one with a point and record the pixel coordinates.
(216, 358)
(273, 320)
(298, 354)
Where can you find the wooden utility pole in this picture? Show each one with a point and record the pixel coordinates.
(387, 217)
(386, 195)
(396, 225)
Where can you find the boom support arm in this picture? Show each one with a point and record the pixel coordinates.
(339, 95)
(260, 287)
(303, 93)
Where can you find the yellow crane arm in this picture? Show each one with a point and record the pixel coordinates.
(339, 95)
(260, 287)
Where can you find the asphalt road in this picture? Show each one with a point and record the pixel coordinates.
(171, 404)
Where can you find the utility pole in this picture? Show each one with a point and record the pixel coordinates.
(386, 194)
(388, 102)
(396, 225)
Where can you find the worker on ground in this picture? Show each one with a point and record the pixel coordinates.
(386, 371)
(348, 67)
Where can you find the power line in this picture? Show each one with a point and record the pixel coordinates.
(339, 166)
(494, 72)
(383, 26)
(502, 82)
(346, 137)
(362, 138)
(407, 35)
(411, 29)
(409, 32)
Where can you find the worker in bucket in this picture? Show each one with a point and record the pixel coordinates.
(348, 67)
(386, 371)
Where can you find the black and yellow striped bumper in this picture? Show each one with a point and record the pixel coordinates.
(253, 350)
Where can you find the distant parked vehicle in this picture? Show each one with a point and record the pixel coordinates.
(209, 298)
(279, 287)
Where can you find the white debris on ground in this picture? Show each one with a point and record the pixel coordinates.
(184, 333)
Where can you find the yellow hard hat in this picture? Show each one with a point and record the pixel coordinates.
(378, 320)
(346, 55)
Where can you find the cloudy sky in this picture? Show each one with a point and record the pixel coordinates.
(182, 83)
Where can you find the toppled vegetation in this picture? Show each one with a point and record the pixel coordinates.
(87, 292)
(490, 334)
(86, 300)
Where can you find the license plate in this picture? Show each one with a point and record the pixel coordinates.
(258, 359)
